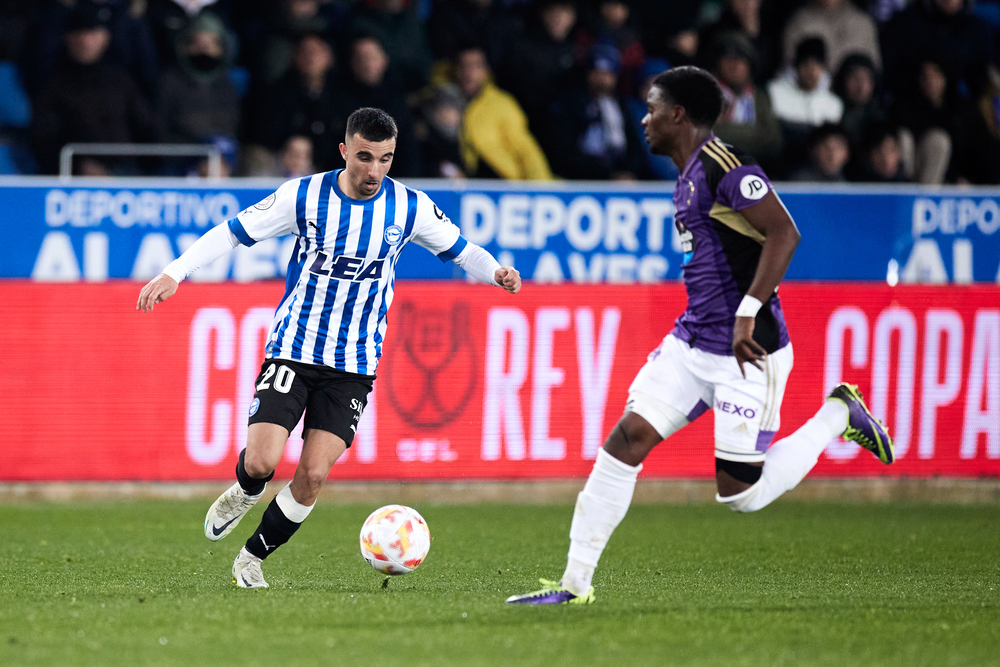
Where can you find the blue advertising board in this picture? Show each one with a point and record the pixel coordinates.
(130, 229)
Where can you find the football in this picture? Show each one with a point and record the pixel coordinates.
(395, 539)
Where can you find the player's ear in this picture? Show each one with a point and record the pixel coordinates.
(343, 151)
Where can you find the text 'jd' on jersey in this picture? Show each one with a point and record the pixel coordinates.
(721, 249)
(340, 276)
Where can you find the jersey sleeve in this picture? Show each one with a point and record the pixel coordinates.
(742, 187)
(433, 230)
(272, 216)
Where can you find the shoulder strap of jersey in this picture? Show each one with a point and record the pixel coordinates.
(719, 159)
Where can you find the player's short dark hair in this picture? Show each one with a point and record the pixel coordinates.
(694, 89)
(372, 124)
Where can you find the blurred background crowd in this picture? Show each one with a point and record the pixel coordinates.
(817, 90)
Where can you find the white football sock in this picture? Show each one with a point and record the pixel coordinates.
(790, 459)
(600, 507)
(291, 508)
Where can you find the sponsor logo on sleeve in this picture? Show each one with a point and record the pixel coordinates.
(254, 406)
(753, 187)
(265, 203)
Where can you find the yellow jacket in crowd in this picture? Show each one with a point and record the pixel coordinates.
(495, 131)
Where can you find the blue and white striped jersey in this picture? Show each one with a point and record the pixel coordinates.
(341, 274)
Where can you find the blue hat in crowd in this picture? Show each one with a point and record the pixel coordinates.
(652, 67)
(604, 57)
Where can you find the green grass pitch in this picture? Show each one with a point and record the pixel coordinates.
(136, 583)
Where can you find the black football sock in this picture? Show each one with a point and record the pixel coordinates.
(274, 530)
(251, 485)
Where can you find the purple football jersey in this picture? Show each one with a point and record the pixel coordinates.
(721, 249)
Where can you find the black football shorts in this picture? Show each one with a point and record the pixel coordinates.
(332, 400)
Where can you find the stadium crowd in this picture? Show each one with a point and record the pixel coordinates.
(817, 90)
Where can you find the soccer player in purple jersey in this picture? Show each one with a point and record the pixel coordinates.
(728, 351)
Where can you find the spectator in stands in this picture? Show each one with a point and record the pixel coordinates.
(657, 167)
(829, 155)
(743, 16)
(15, 107)
(669, 29)
(495, 139)
(941, 30)
(197, 100)
(746, 120)
(132, 46)
(857, 84)
(544, 65)
(297, 157)
(588, 136)
(843, 28)
(454, 23)
(402, 35)
(304, 102)
(613, 23)
(438, 130)
(169, 18)
(801, 100)
(294, 19)
(928, 120)
(980, 154)
(370, 82)
(882, 158)
(89, 100)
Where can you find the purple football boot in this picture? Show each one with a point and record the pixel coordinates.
(862, 427)
(552, 593)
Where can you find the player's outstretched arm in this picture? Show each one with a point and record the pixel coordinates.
(157, 290)
(508, 278)
(482, 266)
(781, 237)
(213, 244)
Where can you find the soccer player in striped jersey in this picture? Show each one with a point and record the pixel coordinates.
(326, 336)
(729, 350)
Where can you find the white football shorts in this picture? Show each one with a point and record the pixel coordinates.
(678, 378)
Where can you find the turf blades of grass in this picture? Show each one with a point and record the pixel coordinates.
(797, 584)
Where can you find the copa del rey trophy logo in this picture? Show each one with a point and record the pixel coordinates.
(432, 368)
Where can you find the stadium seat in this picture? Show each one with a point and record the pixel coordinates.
(989, 11)
(7, 164)
(15, 108)
(240, 78)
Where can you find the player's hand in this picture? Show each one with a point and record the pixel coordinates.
(509, 279)
(157, 290)
(745, 347)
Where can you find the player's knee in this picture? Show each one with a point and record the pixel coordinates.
(631, 439)
(257, 466)
(315, 477)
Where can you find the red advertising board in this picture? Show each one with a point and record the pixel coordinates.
(474, 383)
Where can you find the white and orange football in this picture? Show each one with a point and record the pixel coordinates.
(395, 539)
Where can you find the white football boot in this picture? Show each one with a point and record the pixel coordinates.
(246, 571)
(226, 512)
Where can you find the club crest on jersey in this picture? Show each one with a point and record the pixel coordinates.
(393, 234)
(347, 268)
